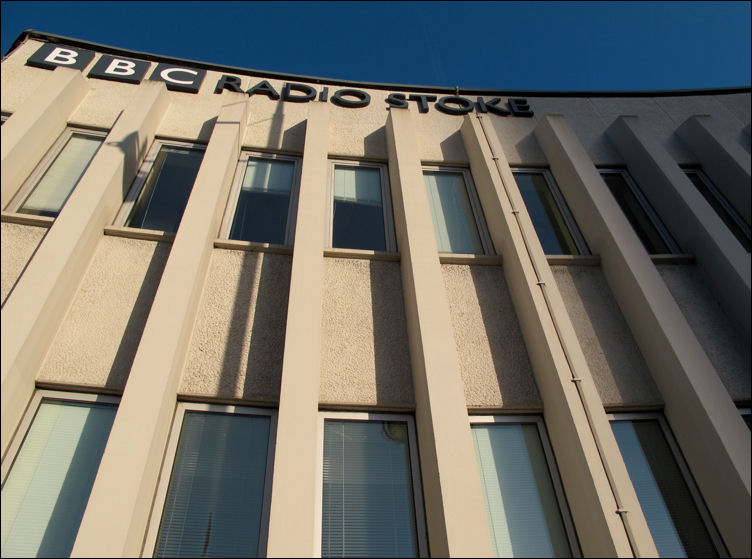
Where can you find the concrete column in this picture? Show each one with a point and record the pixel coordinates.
(292, 518)
(711, 433)
(34, 127)
(724, 160)
(592, 470)
(455, 510)
(117, 514)
(692, 221)
(32, 313)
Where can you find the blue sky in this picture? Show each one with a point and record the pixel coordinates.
(558, 46)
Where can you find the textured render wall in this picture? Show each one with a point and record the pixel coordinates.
(14, 72)
(238, 340)
(17, 245)
(365, 358)
(99, 336)
(729, 353)
(618, 368)
(493, 358)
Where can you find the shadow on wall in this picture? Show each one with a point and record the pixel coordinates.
(263, 374)
(394, 385)
(126, 351)
(611, 351)
(508, 351)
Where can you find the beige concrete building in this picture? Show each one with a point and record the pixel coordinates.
(251, 314)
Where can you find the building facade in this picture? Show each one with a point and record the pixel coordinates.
(247, 313)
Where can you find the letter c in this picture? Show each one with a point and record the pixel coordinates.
(165, 75)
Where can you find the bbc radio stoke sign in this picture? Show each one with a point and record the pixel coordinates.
(189, 80)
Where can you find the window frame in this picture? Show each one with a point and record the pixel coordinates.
(722, 201)
(553, 469)
(561, 203)
(168, 462)
(687, 477)
(234, 196)
(417, 486)
(143, 174)
(390, 239)
(31, 412)
(51, 155)
(475, 205)
(656, 221)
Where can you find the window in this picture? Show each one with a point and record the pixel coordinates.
(371, 496)
(263, 200)
(676, 517)
(527, 512)
(54, 462)
(216, 503)
(455, 211)
(361, 210)
(718, 202)
(48, 187)
(160, 192)
(654, 236)
(549, 213)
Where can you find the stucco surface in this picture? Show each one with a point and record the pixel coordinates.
(105, 102)
(615, 362)
(99, 336)
(17, 245)
(723, 344)
(652, 116)
(238, 339)
(14, 71)
(365, 358)
(495, 368)
(737, 103)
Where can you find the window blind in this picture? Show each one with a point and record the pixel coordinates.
(636, 214)
(215, 498)
(670, 511)
(45, 494)
(368, 508)
(357, 184)
(61, 177)
(165, 193)
(358, 220)
(549, 223)
(263, 201)
(452, 215)
(523, 514)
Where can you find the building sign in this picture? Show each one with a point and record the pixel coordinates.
(189, 80)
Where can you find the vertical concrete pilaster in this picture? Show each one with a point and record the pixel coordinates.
(455, 511)
(34, 127)
(292, 526)
(711, 433)
(692, 221)
(724, 160)
(33, 312)
(116, 516)
(592, 470)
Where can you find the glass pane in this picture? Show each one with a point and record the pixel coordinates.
(453, 219)
(368, 506)
(62, 176)
(215, 498)
(358, 212)
(547, 218)
(523, 514)
(263, 202)
(670, 511)
(162, 200)
(45, 495)
(630, 205)
(735, 224)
